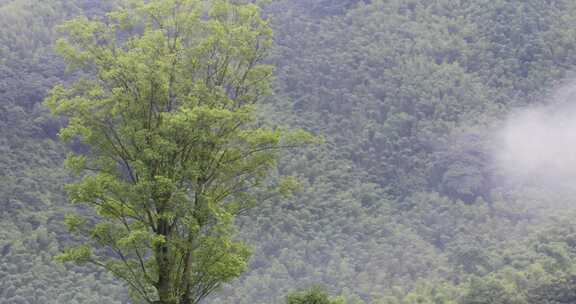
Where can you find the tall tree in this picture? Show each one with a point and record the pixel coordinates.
(173, 147)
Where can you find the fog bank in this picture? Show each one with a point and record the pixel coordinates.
(538, 144)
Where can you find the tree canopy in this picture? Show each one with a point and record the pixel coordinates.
(171, 146)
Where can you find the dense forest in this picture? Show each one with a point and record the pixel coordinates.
(401, 203)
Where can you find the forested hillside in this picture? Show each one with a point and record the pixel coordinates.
(402, 203)
(32, 177)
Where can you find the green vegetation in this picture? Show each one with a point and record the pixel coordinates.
(401, 204)
(174, 149)
(315, 295)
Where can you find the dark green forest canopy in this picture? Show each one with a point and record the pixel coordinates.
(400, 205)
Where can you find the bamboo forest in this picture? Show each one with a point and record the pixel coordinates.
(287, 151)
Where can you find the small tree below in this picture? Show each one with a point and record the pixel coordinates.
(314, 295)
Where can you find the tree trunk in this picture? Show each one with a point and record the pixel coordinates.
(164, 284)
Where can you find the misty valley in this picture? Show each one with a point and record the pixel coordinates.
(287, 151)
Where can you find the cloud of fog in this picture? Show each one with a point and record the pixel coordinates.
(538, 144)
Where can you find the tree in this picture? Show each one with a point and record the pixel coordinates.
(315, 295)
(489, 291)
(171, 147)
(560, 289)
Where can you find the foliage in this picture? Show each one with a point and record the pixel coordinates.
(401, 205)
(174, 147)
(31, 198)
(314, 295)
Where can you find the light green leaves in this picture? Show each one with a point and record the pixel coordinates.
(168, 111)
(80, 255)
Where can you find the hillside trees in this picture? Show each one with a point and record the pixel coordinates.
(404, 92)
(31, 177)
(314, 295)
(174, 148)
(400, 201)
